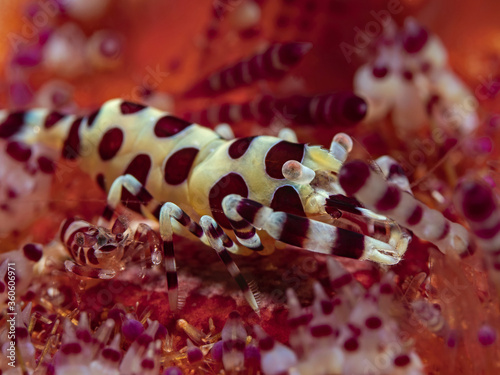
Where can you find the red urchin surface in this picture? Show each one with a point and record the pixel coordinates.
(444, 308)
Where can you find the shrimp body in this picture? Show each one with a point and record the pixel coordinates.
(236, 195)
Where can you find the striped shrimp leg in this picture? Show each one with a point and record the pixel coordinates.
(350, 211)
(337, 108)
(136, 189)
(168, 212)
(244, 230)
(223, 245)
(209, 233)
(309, 234)
(273, 63)
(370, 188)
(164, 213)
(342, 108)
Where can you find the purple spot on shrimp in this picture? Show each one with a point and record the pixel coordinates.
(239, 147)
(32, 252)
(168, 126)
(52, 119)
(279, 154)
(139, 167)
(92, 117)
(287, 199)
(12, 124)
(179, 165)
(46, 165)
(71, 146)
(128, 108)
(18, 151)
(110, 143)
